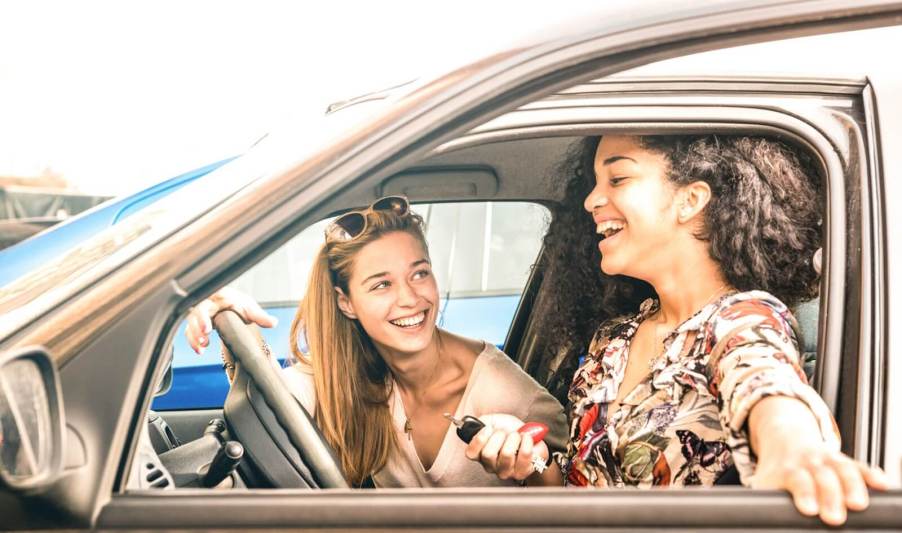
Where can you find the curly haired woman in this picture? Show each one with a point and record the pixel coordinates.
(703, 242)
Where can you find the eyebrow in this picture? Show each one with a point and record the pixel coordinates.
(381, 274)
(616, 158)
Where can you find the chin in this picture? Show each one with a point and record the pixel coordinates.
(610, 267)
(411, 344)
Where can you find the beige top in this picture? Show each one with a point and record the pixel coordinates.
(496, 385)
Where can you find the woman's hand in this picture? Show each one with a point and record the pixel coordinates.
(504, 452)
(792, 457)
(822, 482)
(200, 320)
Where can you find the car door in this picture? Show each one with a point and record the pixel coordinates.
(91, 495)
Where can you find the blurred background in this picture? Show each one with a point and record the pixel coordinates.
(105, 98)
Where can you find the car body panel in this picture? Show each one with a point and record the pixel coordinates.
(126, 304)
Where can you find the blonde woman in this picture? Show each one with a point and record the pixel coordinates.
(378, 374)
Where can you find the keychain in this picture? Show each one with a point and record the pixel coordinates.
(469, 426)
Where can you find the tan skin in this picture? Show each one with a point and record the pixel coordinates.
(657, 244)
(391, 280)
(427, 395)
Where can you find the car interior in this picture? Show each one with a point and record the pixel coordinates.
(515, 157)
(280, 446)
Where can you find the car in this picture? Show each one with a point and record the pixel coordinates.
(21, 258)
(89, 336)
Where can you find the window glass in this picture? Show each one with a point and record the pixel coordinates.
(481, 254)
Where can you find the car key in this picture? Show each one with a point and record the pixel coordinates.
(469, 426)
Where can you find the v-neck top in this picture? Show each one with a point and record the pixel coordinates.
(685, 423)
(496, 385)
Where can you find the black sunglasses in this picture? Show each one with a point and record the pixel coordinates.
(352, 224)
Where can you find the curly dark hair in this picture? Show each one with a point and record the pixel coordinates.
(762, 226)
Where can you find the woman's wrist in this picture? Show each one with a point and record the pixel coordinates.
(778, 423)
(551, 477)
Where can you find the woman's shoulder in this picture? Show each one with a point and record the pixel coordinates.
(299, 380)
(500, 385)
(750, 303)
(495, 368)
(754, 308)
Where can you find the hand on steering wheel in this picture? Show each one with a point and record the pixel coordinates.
(201, 316)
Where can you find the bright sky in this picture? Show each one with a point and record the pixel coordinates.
(117, 95)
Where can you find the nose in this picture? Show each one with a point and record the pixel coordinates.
(596, 198)
(407, 296)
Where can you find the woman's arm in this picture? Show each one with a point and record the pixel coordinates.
(785, 435)
(779, 429)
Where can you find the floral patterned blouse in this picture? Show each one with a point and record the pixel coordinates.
(685, 424)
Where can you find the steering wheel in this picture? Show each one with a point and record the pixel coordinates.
(281, 440)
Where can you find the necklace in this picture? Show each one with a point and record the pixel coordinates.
(408, 426)
(658, 340)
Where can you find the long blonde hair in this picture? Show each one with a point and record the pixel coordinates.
(350, 377)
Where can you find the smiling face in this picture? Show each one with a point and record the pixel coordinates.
(393, 294)
(633, 207)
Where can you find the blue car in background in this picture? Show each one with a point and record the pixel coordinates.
(24, 257)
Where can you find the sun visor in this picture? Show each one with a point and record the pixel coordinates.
(445, 184)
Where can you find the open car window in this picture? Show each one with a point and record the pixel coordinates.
(482, 254)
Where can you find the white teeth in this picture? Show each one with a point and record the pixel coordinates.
(410, 321)
(609, 227)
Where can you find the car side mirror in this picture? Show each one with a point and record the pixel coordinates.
(31, 421)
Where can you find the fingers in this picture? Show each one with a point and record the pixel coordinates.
(524, 467)
(800, 485)
(254, 313)
(830, 496)
(508, 460)
(246, 307)
(854, 489)
(200, 323)
(474, 449)
(490, 453)
(874, 476)
(507, 454)
(200, 326)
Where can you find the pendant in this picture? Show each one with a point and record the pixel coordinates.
(407, 427)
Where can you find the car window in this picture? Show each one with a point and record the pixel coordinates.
(481, 254)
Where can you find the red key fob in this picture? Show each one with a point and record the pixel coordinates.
(535, 430)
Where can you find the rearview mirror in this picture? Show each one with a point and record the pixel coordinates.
(31, 420)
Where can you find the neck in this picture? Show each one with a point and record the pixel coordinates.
(686, 287)
(417, 372)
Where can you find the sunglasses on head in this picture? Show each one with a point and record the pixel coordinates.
(352, 224)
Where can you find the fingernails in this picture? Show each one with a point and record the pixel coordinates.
(202, 341)
(808, 506)
(834, 516)
(858, 500)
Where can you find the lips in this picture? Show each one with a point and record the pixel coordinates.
(610, 227)
(409, 322)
